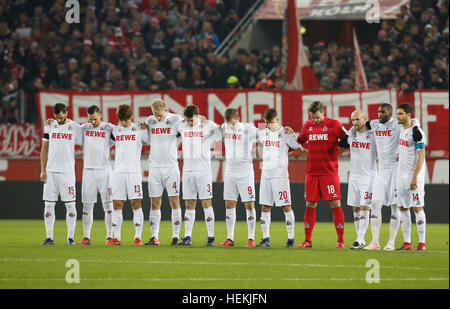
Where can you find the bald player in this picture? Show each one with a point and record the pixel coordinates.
(363, 169)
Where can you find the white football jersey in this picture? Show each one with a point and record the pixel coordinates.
(238, 146)
(386, 137)
(61, 146)
(408, 154)
(196, 143)
(129, 147)
(96, 145)
(163, 146)
(275, 147)
(363, 155)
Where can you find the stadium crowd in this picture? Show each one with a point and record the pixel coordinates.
(169, 44)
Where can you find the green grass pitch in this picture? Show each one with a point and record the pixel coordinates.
(24, 263)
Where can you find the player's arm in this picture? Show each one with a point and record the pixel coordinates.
(295, 145)
(44, 159)
(420, 148)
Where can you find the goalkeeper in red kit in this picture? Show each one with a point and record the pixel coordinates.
(320, 135)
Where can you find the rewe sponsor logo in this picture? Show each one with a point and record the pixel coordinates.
(318, 137)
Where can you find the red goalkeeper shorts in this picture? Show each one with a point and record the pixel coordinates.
(322, 187)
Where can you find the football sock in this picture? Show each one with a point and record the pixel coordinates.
(338, 220)
(309, 221)
(356, 221)
(290, 223)
(265, 224)
(363, 224)
(209, 220)
(189, 219)
(176, 222)
(251, 223)
(155, 219)
(421, 223)
(375, 221)
(117, 219)
(394, 223)
(230, 218)
(108, 208)
(49, 218)
(138, 220)
(71, 219)
(406, 225)
(88, 216)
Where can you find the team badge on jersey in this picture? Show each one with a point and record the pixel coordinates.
(69, 128)
(325, 128)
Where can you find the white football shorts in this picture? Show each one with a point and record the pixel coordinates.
(235, 184)
(62, 184)
(360, 192)
(275, 190)
(197, 182)
(127, 184)
(410, 198)
(96, 180)
(384, 186)
(164, 178)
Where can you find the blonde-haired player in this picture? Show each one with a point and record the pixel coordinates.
(164, 172)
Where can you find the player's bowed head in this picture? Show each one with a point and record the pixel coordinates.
(125, 114)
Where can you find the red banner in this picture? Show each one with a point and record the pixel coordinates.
(431, 108)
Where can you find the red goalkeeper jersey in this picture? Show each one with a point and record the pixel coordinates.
(321, 140)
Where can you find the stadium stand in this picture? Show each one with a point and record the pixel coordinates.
(165, 44)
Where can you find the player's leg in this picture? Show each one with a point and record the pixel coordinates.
(89, 198)
(379, 197)
(230, 196)
(209, 220)
(205, 193)
(404, 200)
(138, 220)
(176, 217)
(356, 214)
(230, 221)
(394, 222)
(173, 191)
(67, 191)
(364, 215)
(418, 200)
(246, 187)
(330, 190)
(155, 191)
(266, 200)
(282, 189)
(119, 190)
(251, 222)
(312, 195)
(105, 189)
(117, 219)
(421, 223)
(190, 200)
(265, 225)
(353, 200)
(50, 196)
(134, 191)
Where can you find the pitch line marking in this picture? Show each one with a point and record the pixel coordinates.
(221, 263)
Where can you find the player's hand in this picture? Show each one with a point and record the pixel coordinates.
(202, 118)
(413, 185)
(288, 130)
(43, 177)
(303, 150)
(143, 126)
(49, 121)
